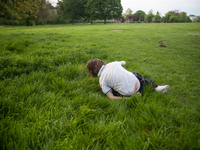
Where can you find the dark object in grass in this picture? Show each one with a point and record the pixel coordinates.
(161, 44)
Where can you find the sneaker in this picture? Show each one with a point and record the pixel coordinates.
(163, 89)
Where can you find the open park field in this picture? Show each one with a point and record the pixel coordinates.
(48, 101)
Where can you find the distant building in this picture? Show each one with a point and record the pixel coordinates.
(119, 20)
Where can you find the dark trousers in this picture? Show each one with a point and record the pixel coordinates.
(143, 81)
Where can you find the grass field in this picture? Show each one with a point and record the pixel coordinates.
(48, 100)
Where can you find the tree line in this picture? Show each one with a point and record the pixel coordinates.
(41, 11)
(171, 16)
(91, 9)
(20, 12)
(25, 12)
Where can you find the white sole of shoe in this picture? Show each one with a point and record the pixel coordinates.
(166, 89)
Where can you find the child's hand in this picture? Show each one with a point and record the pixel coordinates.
(139, 93)
(123, 63)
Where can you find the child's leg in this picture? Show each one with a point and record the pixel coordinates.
(144, 81)
(151, 82)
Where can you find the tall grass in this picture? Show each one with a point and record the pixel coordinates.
(48, 100)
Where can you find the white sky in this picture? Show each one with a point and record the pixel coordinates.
(163, 6)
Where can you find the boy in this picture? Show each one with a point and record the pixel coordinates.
(116, 81)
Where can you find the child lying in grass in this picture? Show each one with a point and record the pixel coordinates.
(116, 81)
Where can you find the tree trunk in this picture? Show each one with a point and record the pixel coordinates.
(91, 22)
(42, 18)
(42, 21)
(27, 22)
(104, 21)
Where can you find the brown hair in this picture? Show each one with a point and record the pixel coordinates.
(93, 67)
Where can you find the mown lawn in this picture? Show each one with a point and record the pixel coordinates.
(48, 100)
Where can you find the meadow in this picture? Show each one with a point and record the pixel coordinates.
(48, 101)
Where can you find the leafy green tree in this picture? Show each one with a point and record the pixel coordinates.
(20, 9)
(28, 9)
(173, 19)
(182, 16)
(169, 14)
(49, 15)
(128, 13)
(149, 16)
(140, 14)
(188, 19)
(157, 17)
(44, 10)
(6, 9)
(162, 19)
(92, 10)
(73, 9)
(194, 20)
(104, 9)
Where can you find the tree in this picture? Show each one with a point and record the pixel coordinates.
(104, 9)
(198, 18)
(43, 13)
(194, 20)
(192, 16)
(162, 19)
(149, 16)
(188, 19)
(73, 9)
(91, 11)
(27, 9)
(169, 14)
(140, 14)
(94, 9)
(157, 17)
(128, 13)
(173, 19)
(6, 9)
(182, 16)
(20, 9)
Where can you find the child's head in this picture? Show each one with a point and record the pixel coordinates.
(93, 67)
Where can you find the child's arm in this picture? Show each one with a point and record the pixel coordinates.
(111, 96)
(123, 63)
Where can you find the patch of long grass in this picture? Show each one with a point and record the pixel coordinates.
(48, 100)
